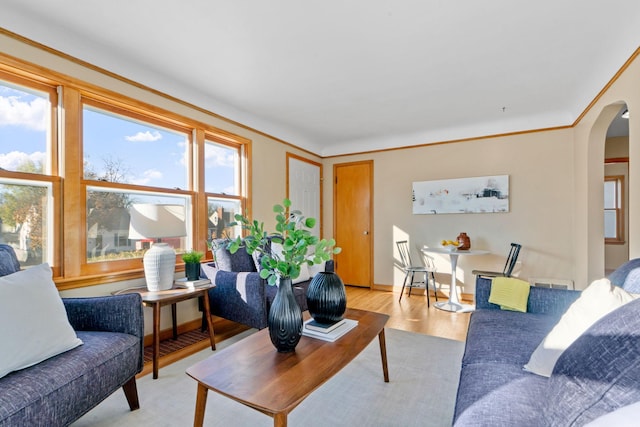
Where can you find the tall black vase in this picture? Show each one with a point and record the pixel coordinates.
(326, 297)
(285, 318)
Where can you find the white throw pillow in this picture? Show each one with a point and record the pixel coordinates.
(276, 249)
(599, 299)
(304, 274)
(33, 321)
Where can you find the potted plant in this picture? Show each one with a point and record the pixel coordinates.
(299, 247)
(192, 264)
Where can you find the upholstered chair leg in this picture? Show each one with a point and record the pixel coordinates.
(131, 393)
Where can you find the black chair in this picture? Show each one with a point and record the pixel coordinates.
(508, 266)
(410, 271)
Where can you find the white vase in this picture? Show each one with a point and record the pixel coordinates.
(159, 267)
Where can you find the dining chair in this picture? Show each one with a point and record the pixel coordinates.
(508, 265)
(410, 270)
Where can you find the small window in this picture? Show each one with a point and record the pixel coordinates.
(24, 220)
(222, 169)
(613, 209)
(221, 213)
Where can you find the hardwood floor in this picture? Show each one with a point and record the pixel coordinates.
(411, 313)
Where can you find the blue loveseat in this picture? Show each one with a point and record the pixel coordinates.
(62, 388)
(598, 374)
(240, 294)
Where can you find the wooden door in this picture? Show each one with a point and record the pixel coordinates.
(352, 205)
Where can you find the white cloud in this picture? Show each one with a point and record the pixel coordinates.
(144, 136)
(217, 156)
(12, 160)
(148, 176)
(32, 115)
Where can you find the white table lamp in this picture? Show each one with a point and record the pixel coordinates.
(157, 221)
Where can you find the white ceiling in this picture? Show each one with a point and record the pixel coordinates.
(337, 77)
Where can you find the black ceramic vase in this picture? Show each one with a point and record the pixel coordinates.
(326, 297)
(285, 318)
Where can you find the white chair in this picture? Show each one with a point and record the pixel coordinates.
(410, 271)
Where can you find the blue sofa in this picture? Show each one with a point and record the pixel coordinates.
(59, 390)
(598, 374)
(240, 294)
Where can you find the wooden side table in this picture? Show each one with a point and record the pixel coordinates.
(158, 299)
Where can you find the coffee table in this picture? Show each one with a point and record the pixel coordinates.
(253, 373)
(157, 299)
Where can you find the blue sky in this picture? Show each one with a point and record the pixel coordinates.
(148, 154)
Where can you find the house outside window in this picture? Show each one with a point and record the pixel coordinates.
(223, 188)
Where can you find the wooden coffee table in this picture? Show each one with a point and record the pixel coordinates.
(253, 373)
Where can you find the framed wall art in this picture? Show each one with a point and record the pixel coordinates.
(485, 194)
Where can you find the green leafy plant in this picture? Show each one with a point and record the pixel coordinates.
(192, 257)
(299, 246)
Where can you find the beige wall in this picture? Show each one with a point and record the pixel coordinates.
(540, 172)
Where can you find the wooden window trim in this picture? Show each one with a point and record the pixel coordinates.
(70, 198)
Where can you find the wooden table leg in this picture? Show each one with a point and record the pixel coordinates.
(174, 319)
(156, 339)
(280, 420)
(201, 404)
(383, 354)
(207, 313)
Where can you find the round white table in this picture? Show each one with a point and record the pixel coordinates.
(454, 304)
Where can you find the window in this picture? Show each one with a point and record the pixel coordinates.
(26, 167)
(117, 148)
(123, 160)
(222, 185)
(133, 152)
(613, 209)
(122, 225)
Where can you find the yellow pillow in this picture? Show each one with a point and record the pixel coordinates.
(509, 293)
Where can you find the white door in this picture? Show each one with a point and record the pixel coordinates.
(304, 188)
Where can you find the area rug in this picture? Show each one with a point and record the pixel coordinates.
(423, 373)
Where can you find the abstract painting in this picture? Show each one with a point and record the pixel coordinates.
(486, 194)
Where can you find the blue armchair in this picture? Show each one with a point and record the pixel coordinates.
(62, 388)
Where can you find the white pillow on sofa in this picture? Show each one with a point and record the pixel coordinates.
(597, 300)
(276, 248)
(33, 321)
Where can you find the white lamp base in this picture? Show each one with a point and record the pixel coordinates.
(159, 267)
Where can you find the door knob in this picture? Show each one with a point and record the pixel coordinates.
(365, 233)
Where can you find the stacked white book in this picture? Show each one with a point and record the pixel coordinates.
(328, 332)
(191, 284)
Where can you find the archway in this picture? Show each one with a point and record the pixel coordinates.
(594, 242)
(616, 192)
